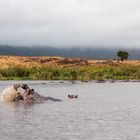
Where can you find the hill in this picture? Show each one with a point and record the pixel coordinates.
(77, 52)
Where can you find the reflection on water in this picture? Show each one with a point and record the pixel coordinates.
(107, 111)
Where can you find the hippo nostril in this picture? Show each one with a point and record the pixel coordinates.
(18, 93)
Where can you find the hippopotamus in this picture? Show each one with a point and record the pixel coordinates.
(11, 94)
(72, 96)
(30, 95)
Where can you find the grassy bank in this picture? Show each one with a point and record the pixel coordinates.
(120, 72)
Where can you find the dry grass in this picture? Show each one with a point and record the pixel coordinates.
(59, 68)
(10, 61)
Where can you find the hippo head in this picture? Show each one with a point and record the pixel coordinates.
(11, 94)
(17, 95)
(30, 92)
(29, 95)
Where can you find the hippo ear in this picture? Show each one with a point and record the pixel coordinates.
(25, 86)
(16, 86)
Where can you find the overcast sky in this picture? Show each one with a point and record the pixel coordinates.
(92, 23)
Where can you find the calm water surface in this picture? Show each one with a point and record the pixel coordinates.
(103, 111)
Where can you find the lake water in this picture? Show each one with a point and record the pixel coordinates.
(103, 111)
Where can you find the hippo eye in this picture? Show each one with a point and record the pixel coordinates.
(18, 93)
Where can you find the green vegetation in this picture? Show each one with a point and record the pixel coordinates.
(122, 55)
(117, 72)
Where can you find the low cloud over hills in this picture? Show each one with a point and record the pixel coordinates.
(101, 53)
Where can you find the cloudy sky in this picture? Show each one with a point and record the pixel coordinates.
(67, 23)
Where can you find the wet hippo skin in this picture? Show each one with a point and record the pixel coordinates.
(31, 96)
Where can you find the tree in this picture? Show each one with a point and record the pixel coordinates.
(122, 55)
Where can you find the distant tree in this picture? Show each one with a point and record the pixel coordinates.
(122, 55)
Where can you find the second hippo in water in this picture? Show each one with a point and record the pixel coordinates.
(72, 96)
(31, 96)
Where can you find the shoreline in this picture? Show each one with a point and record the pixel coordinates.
(71, 81)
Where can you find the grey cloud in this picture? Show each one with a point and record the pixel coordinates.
(70, 22)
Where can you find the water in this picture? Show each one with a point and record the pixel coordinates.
(103, 111)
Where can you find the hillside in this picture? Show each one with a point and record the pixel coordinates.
(60, 68)
(9, 61)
